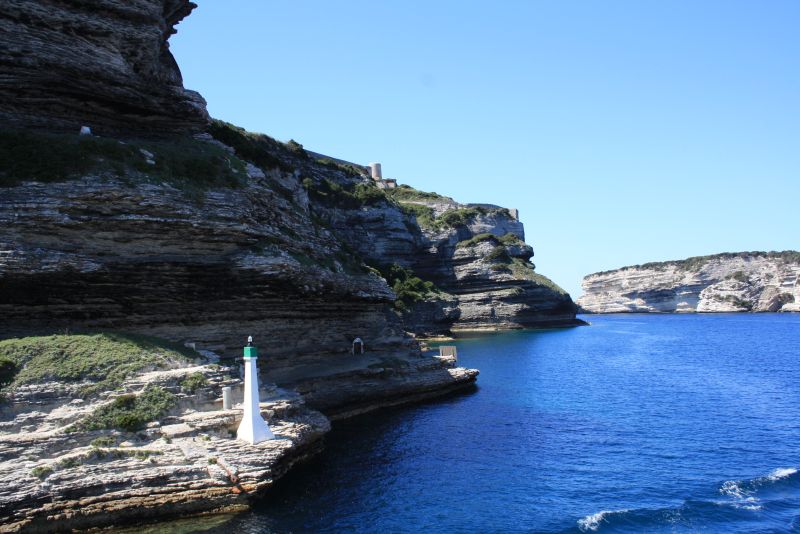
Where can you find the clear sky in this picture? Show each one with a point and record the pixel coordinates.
(623, 131)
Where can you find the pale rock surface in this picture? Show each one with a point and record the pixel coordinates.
(748, 281)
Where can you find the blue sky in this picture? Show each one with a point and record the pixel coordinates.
(623, 131)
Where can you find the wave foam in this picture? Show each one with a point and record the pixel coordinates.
(743, 491)
(591, 523)
(781, 472)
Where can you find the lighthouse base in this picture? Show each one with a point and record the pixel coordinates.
(254, 429)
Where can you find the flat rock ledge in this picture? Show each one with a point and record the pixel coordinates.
(56, 481)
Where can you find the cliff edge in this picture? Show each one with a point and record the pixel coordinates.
(728, 282)
(105, 64)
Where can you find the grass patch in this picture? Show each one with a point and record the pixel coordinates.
(459, 216)
(104, 358)
(423, 214)
(193, 382)
(480, 238)
(347, 196)
(511, 239)
(130, 412)
(259, 149)
(350, 170)
(185, 163)
(406, 192)
(450, 219)
(523, 270)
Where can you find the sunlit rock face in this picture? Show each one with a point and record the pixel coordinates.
(105, 64)
(747, 281)
(480, 262)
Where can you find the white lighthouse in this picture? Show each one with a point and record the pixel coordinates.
(253, 429)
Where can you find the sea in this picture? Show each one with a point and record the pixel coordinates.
(636, 423)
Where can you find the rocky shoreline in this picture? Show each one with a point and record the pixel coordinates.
(729, 282)
(189, 463)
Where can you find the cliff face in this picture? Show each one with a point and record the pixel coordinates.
(101, 63)
(475, 255)
(747, 281)
(209, 266)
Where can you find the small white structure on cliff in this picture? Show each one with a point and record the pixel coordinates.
(253, 429)
(375, 171)
(376, 174)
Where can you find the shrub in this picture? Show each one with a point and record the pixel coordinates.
(408, 287)
(739, 303)
(193, 382)
(104, 441)
(346, 196)
(524, 270)
(423, 214)
(130, 412)
(406, 192)
(739, 276)
(475, 240)
(342, 167)
(510, 239)
(8, 370)
(260, 149)
(41, 471)
(498, 254)
(459, 217)
(296, 148)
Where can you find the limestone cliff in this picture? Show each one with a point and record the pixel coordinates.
(101, 63)
(474, 254)
(731, 282)
(105, 429)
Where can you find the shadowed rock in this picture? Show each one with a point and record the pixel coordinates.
(101, 63)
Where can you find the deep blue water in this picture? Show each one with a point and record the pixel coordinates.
(638, 423)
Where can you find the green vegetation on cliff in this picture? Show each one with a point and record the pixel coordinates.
(347, 196)
(259, 149)
(408, 287)
(105, 359)
(130, 412)
(408, 193)
(507, 239)
(185, 163)
(524, 270)
(459, 217)
(452, 218)
(696, 263)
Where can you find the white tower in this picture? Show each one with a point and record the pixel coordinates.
(253, 429)
(375, 171)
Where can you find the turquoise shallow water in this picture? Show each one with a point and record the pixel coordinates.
(660, 423)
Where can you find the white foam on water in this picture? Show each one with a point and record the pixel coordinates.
(742, 498)
(781, 472)
(591, 523)
(742, 491)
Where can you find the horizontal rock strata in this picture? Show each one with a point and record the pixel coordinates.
(100, 63)
(737, 282)
(188, 462)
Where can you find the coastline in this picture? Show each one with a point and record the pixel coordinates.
(194, 467)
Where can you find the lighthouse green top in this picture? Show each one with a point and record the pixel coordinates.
(250, 352)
